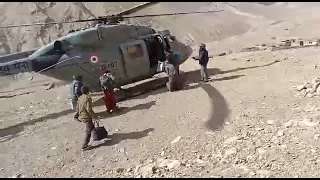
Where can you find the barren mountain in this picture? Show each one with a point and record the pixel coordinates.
(237, 19)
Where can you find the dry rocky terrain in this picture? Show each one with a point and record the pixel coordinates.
(259, 116)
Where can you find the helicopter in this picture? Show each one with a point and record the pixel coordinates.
(130, 52)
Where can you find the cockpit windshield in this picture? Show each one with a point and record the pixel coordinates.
(79, 38)
(43, 51)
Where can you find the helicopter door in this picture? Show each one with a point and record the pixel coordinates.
(136, 58)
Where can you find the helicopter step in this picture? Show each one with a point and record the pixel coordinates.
(142, 87)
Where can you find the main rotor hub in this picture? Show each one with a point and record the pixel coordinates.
(109, 19)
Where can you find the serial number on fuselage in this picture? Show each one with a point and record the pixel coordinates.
(109, 65)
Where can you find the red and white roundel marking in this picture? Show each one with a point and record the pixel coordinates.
(94, 59)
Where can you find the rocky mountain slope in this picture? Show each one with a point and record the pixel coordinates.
(237, 19)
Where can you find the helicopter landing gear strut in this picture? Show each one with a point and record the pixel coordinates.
(121, 94)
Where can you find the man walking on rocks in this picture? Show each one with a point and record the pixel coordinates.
(203, 61)
(85, 114)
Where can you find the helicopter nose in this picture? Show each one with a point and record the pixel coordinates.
(184, 50)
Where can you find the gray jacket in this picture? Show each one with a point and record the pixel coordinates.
(107, 82)
(76, 89)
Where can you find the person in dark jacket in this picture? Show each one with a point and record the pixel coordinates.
(203, 61)
(76, 86)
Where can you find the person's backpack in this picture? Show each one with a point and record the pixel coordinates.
(176, 57)
(106, 82)
(173, 56)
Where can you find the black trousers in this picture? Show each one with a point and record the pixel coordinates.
(89, 127)
(177, 69)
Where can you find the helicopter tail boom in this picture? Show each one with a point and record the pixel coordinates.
(16, 66)
(15, 56)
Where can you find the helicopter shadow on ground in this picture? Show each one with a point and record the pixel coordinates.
(11, 132)
(191, 78)
(219, 106)
(116, 138)
(99, 102)
(124, 110)
(250, 67)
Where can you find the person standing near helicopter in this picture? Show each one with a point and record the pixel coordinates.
(174, 80)
(107, 84)
(76, 86)
(203, 61)
(173, 58)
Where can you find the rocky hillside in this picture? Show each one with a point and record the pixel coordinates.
(237, 19)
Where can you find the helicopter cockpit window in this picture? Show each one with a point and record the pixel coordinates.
(66, 45)
(135, 51)
(44, 51)
(50, 49)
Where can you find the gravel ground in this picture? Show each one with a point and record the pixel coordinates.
(248, 121)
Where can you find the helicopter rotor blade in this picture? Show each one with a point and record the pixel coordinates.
(170, 14)
(110, 17)
(135, 8)
(39, 24)
(125, 12)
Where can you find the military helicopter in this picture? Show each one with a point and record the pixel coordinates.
(131, 53)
